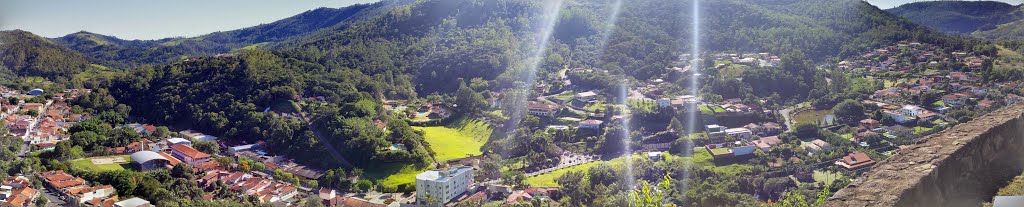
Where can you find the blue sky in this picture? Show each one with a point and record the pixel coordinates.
(150, 19)
(155, 19)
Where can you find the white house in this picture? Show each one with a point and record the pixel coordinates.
(591, 124)
(133, 202)
(740, 133)
(443, 185)
(741, 149)
(177, 141)
(586, 96)
(664, 103)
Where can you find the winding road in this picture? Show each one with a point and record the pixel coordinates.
(326, 141)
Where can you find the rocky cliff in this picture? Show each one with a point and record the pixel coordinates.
(961, 166)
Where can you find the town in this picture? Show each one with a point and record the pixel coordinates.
(809, 145)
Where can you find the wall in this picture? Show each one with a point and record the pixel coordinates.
(962, 166)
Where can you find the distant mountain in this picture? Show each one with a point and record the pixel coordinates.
(26, 54)
(113, 51)
(985, 19)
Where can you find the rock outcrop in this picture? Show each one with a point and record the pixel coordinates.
(961, 166)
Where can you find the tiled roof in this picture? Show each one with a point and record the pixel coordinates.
(189, 151)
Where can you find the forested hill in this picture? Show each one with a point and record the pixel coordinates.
(26, 54)
(959, 17)
(115, 52)
(983, 19)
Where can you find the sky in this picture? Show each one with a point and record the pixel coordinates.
(155, 19)
(888, 4)
(150, 19)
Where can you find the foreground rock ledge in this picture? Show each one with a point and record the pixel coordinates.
(961, 166)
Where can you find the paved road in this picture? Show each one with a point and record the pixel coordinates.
(788, 119)
(326, 142)
(24, 150)
(51, 196)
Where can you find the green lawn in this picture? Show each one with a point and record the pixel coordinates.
(826, 177)
(86, 163)
(394, 174)
(462, 139)
(642, 105)
(598, 105)
(566, 95)
(548, 179)
(704, 109)
(720, 151)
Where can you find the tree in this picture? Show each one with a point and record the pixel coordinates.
(648, 196)
(467, 100)
(513, 178)
(806, 130)
(849, 111)
(363, 185)
(41, 201)
(32, 112)
(207, 147)
(161, 132)
(181, 170)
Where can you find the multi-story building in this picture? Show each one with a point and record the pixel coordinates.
(442, 185)
(188, 155)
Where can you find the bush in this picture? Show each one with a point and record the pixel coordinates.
(407, 187)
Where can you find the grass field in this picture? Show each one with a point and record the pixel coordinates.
(462, 139)
(642, 105)
(548, 179)
(86, 163)
(564, 96)
(826, 177)
(394, 174)
(458, 140)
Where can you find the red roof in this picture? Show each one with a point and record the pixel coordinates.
(189, 151)
(173, 161)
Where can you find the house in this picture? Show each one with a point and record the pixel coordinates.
(590, 124)
(909, 113)
(586, 96)
(655, 156)
(766, 143)
(817, 145)
(16, 182)
(532, 194)
(188, 155)
(81, 195)
(664, 103)
(20, 197)
(714, 131)
(46, 146)
(868, 124)
(133, 202)
(541, 109)
(739, 133)
(855, 161)
(727, 150)
(770, 129)
(177, 141)
(443, 184)
(197, 136)
(242, 148)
